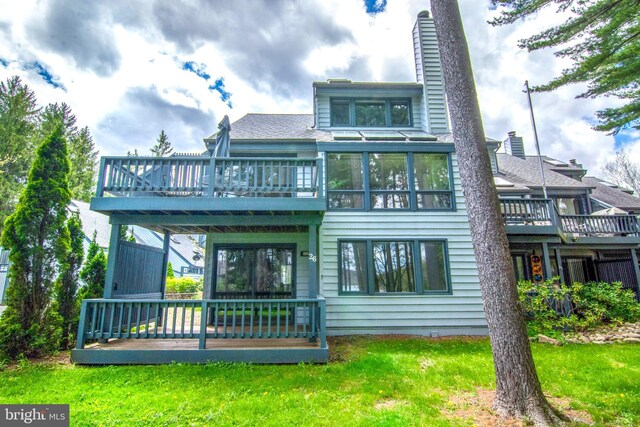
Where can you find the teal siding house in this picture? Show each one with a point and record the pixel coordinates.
(347, 220)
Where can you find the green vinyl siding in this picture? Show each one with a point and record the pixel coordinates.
(458, 311)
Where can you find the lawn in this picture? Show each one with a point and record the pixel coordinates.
(370, 382)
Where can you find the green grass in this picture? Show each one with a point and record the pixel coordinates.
(418, 375)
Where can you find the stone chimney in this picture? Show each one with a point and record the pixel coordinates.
(514, 145)
(429, 73)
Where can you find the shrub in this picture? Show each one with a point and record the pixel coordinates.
(183, 285)
(543, 305)
(599, 303)
(551, 307)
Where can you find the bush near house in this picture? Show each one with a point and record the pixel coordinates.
(552, 307)
(183, 285)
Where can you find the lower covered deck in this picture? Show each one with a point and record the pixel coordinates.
(121, 331)
(259, 301)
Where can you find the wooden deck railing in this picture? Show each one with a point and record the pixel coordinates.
(609, 225)
(192, 177)
(541, 212)
(104, 319)
(527, 211)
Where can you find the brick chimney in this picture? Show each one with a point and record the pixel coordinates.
(429, 73)
(514, 145)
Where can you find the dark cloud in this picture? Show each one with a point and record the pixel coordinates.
(146, 113)
(82, 31)
(265, 42)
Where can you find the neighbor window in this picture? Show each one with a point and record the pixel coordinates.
(387, 267)
(370, 112)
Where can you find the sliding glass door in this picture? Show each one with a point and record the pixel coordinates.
(254, 271)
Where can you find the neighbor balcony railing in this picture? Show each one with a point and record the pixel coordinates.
(104, 319)
(200, 176)
(527, 211)
(589, 225)
(541, 212)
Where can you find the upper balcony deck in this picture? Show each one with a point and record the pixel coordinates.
(538, 216)
(199, 184)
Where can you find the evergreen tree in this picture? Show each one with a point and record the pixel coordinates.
(93, 272)
(38, 239)
(163, 146)
(18, 117)
(67, 283)
(602, 39)
(93, 248)
(170, 272)
(83, 154)
(58, 114)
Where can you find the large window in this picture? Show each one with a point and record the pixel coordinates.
(411, 181)
(379, 267)
(371, 112)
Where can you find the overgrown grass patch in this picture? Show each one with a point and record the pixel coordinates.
(373, 381)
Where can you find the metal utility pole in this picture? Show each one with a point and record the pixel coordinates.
(535, 138)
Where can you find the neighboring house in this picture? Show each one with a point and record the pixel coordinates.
(581, 232)
(349, 220)
(606, 195)
(186, 251)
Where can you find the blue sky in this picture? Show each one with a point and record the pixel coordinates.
(129, 68)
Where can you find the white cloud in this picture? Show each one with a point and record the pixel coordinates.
(268, 54)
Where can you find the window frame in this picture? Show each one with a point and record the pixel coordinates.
(411, 191)
(417, 267)
(388, 102)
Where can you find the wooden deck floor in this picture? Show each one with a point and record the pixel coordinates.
(212, 344)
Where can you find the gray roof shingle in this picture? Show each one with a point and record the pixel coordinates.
(527, 172)
(254, 126)
(612, 195)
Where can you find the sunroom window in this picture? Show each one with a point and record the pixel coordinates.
(345, 181)
(432, 182)
(371, 181)
(388, 181)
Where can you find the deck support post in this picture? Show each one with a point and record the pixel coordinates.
(114, 246)
(636, 268)
(559, 264)
(165, 262)
(203, 326)
(547, 261)
(313, 261)
(82, 325)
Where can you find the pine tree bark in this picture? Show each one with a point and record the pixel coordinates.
(518, 390)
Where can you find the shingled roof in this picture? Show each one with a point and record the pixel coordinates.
(612, 194)
(527, 172)
(256, 126)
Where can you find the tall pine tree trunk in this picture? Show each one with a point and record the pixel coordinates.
(518, 391)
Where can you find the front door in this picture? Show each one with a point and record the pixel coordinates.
(254, 271)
